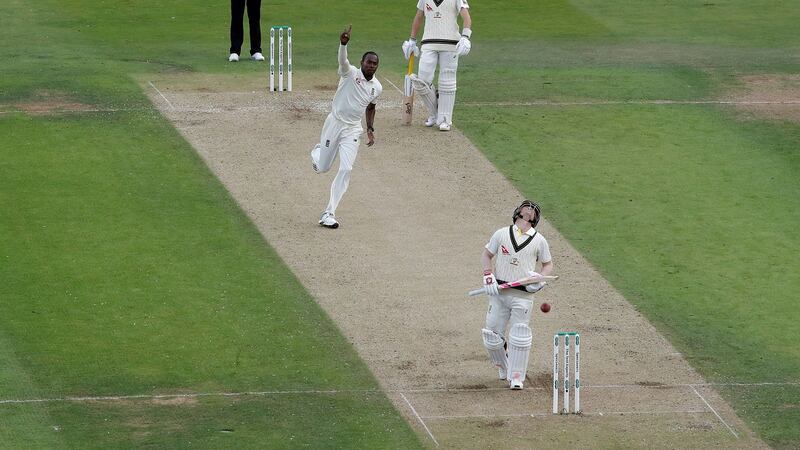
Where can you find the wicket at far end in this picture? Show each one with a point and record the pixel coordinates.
(280, 29)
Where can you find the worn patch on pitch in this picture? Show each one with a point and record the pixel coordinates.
(48, 102)
(770, 97)
(495, 423)
(541, 379)
(175, 401)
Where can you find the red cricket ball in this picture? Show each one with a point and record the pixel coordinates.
(545, 307)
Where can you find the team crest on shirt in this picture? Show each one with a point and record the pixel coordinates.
(504, 250)
(514, 262)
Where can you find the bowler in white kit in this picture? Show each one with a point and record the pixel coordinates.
(355, 97)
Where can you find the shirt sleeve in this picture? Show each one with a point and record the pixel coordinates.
(494, 243)
(544, 251)
(344, 64)
(421, 5)
(462, 4)
(378, 92)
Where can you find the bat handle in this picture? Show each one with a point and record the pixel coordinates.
(411, 63)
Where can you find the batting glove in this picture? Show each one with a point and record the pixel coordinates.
(535, 287)
(490, 283)
(464, 45)
(410, 47)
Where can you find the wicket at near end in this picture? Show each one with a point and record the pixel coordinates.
(566, 384)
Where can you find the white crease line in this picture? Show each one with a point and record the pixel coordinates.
(393, 85)
(371, 391)
(633, 102)
(466, 390)
(715, 413)
(547, 414)
(76, 111)
(420, 419)
(676, 385)
(314, 108)
(488, 416)
(776, 383)
(192, 395)
(383, 105)
(643, 386)
(625, 413)
(162, 95)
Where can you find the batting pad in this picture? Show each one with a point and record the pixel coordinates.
(519, 348)
(426, 93)
(447, 95)
(495, 347)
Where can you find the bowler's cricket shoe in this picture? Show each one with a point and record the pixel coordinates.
(328, 221)
(233, 58)
(444, 126)
(430, 121)
(257, 56)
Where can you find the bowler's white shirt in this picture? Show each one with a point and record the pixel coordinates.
(354, 93)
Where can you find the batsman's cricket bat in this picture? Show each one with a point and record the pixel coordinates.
(521, 282)
(408, 93)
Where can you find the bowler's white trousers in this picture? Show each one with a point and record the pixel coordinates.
(337, 138)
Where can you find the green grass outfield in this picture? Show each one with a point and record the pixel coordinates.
(127, 269)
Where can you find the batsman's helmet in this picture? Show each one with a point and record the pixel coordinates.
(536, 208)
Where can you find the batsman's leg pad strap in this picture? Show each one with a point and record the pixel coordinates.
(494, 344)
(519, 348)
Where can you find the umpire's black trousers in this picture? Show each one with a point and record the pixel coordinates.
(237, 27)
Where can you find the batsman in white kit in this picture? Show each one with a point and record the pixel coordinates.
(442, 45)
(358, 90)
(516, 250)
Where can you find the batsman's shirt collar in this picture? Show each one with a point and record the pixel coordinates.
(530, 232)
